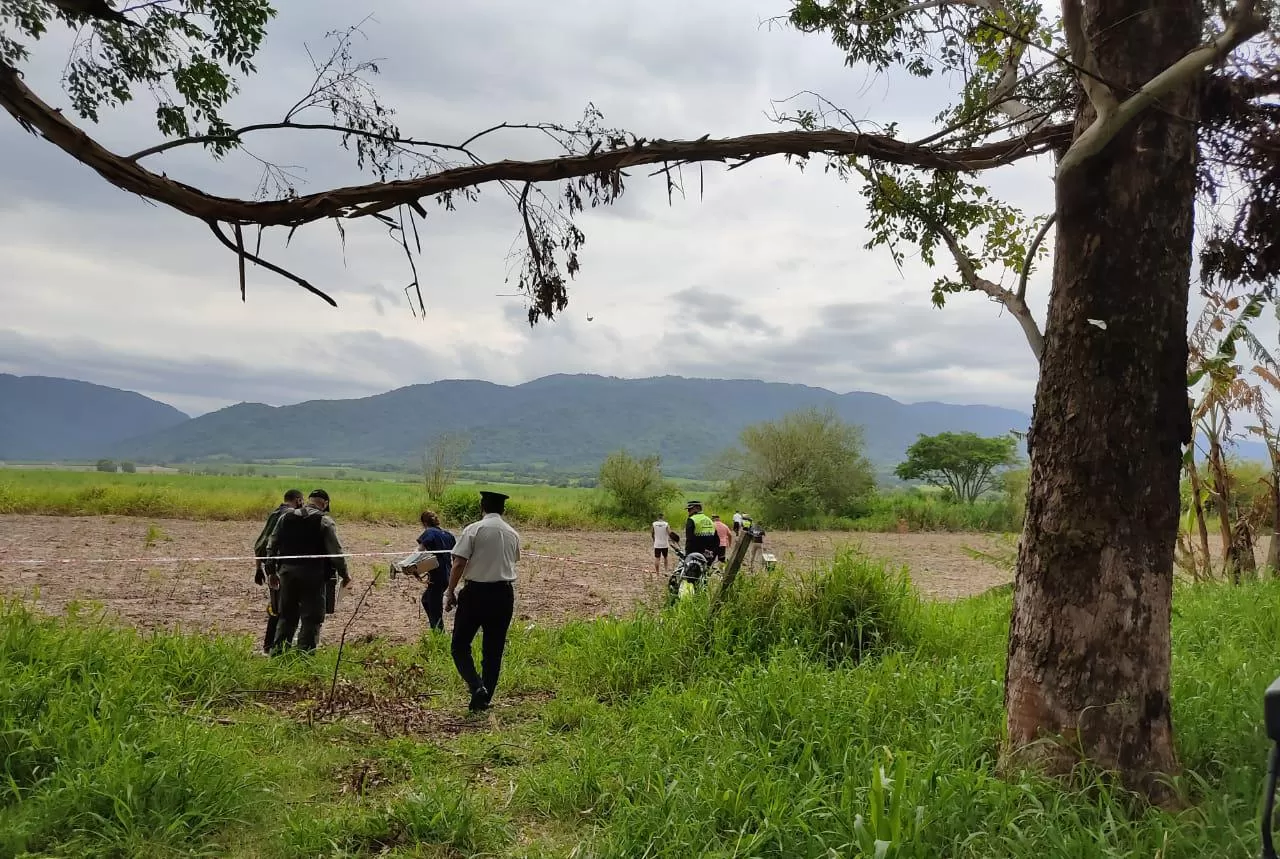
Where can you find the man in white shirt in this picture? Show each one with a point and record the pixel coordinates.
(485, 556)
(661, 544)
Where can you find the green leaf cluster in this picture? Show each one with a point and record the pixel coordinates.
(186, 53)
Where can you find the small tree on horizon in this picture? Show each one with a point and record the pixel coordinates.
(441, 461)
(965, 463)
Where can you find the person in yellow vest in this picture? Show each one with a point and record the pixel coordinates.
(700, 532)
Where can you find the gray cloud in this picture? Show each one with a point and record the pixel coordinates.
(192, 381)
(880, 346)
(718, 310)
(102, 286)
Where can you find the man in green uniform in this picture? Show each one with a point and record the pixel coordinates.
(700, 532)
(292, 501)
(308, 530)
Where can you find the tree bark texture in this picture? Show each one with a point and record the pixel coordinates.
(1089, 647)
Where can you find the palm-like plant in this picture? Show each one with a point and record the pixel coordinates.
(1219, 337)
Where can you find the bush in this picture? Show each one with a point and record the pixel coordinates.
(634, 487)
(1251, 493)
(802, 467)
(842, 612)
(460, 507)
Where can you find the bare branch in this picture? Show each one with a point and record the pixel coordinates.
(239, 231)
(257, 260)
(1021, 293)
(235, 134)
(1013, 302)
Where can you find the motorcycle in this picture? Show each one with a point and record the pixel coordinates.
(693, 569)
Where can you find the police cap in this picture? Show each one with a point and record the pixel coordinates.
(689, 504)
(319, 493)
(493, 496)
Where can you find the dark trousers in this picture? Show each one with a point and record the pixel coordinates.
(433, 598)
(301, 608)
(273, 619)
(486, 606)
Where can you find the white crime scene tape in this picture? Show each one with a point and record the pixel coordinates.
(33, 562)
(163, 560)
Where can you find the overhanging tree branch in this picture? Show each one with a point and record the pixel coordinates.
(910, 202)
(923, 6)
(238, 248)
(353, 201)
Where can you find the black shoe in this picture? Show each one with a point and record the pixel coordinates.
(479, 700)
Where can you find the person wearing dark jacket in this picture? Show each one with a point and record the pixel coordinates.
(292, 501)
(309, 530)
(437, 540)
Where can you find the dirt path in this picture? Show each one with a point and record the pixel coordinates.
(220, 596)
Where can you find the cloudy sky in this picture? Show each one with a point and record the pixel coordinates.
(764, 277)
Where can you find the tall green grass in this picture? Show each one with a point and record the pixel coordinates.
(180, 496)
(97, 755)
(72, 493)
(840, 718)
(921, 512)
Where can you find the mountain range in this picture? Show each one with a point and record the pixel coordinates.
(43, 418)
(565, 423)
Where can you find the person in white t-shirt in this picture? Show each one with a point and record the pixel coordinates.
(662, 538)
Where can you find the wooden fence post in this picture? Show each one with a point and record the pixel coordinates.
(736, 557)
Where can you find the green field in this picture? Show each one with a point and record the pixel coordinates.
(843, 718)
(183, 496)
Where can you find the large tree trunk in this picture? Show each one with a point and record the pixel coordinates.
(1089, 648)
